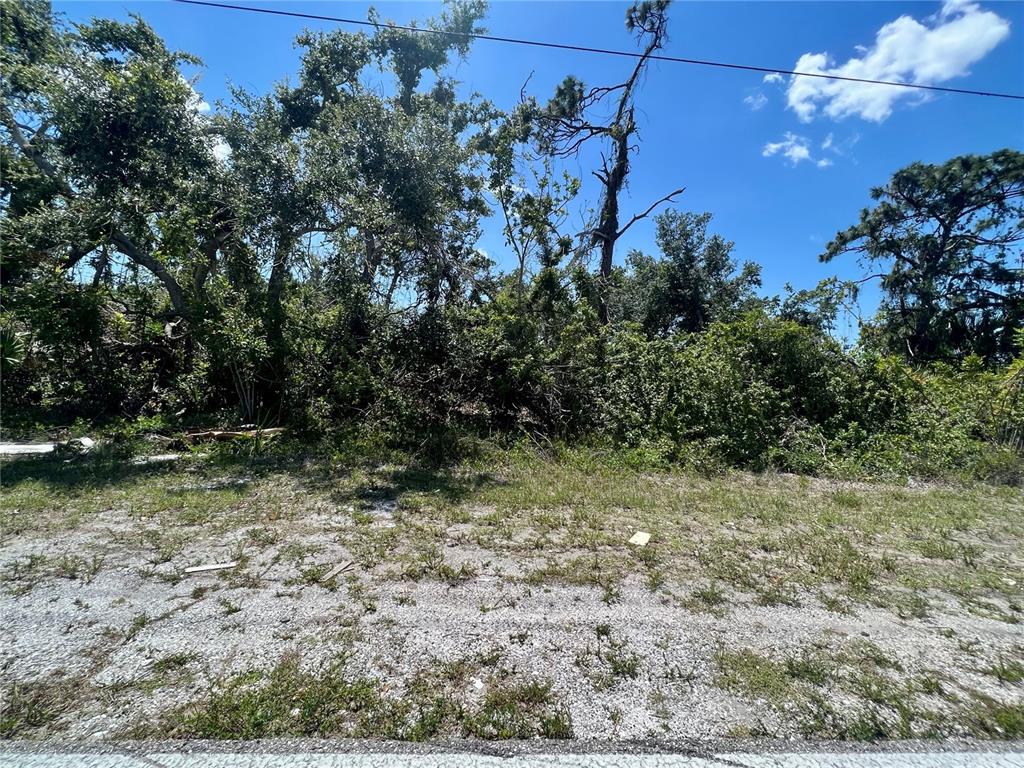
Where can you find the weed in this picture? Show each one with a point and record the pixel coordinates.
(609, 659)
(140, 622)
(610, 593)
(78, 567)
(28, 706)
(1006, 670)
(173, 662)
(23, 574)
(519, 711)
(228, 606)
(778, 594)
(288, 701)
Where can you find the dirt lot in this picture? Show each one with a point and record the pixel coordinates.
(501, 599)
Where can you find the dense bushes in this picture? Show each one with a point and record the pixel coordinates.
(762, 392)
(758, 391)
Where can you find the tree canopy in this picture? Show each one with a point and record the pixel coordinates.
(945, 241)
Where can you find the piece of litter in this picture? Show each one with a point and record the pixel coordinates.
(478, 683)
(160, 458)
(211, 567)
(640, 538)
(339, 570)
(16, 449)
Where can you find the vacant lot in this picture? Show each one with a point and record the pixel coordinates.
(501, 599)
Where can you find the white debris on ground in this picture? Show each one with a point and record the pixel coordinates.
(25, 449)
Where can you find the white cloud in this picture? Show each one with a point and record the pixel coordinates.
(796, 149)
(756, 101)
(827, 143)
(905, 50)
(773, 77)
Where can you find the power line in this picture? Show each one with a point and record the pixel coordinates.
(606, 51)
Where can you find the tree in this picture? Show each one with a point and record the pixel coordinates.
(693, 284)
(534, 203)
(115, 176)
(412, 196)
(945, 241)
(568, 121)
(817, 307)
(104, 151)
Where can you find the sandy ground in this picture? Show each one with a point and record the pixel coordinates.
(88, 631)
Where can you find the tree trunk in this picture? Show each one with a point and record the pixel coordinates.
(608, 229)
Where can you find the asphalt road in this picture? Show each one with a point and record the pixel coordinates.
(276, 758)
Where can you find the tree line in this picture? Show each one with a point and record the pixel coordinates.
(309, 256)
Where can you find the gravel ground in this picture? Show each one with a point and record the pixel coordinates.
(89, 631)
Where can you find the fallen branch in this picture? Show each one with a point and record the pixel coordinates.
(227, 434)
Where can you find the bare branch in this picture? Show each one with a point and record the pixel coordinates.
(669, 198)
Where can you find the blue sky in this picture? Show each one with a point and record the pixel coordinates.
(782, 168)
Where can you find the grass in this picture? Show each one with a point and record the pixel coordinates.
(609, 660)
(330, 702)
(27, 707)
(860, 694)
(776, 539)
(1008, 671)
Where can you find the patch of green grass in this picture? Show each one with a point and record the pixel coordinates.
(778, 593)
(946, 549)
(773, 537)
(609, 659)
(1006, 670)
(318, 574)
(753, 674)
(858, 693)
(26, 707)
(139, 622)
(173, 662)
(329, 702)
(709, 598)
(988, 718)
(847, 499)
(229, 607)
(78, 567)
(20, 576)
(519, 711)
(428, 562)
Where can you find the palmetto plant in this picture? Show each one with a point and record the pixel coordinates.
(12, 347)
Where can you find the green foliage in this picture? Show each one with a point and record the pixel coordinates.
(308, 256)
(750, 392)
(694, 283)
(945, 241)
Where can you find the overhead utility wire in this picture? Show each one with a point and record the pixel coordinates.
(606, 51)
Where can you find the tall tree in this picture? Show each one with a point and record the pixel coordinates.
(411, 197)
(946, 243)
(569, 120)
(694, 283)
